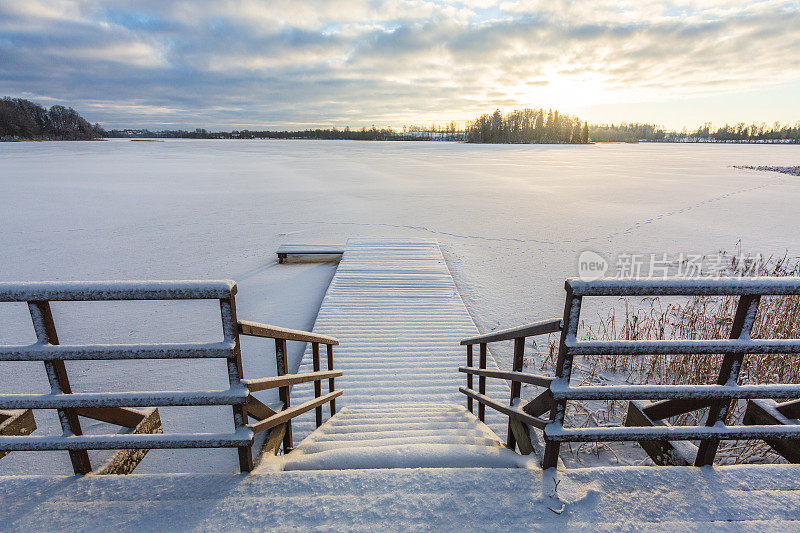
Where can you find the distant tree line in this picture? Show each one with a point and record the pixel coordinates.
(742, 132)
(739, 133)
(418, 133)
(527, 126)
(626, 132)
(25, 120)
(22, 119)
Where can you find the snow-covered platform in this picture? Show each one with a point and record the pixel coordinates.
(399, 319)
(740, 498)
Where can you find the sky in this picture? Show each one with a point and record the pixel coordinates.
(293, 64)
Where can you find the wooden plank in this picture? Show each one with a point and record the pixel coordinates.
(255, 385)
(258, 409)
(677, 347)
(288, 414)
(20, 422)
(572, 311)
(540, 404)
(82, 291)
(789, 409)
(516, 386)
(121, 416)
(732, 286)
(521, 377)
(230, 331)
(506, 410)
(314, 249)
(469, 375)
(528, 330)
(283, 392)
(765, 412)
(673, 433)
(522, 436)
(331, 385)
(254, 329)
(674, 407)
(681, 392)
(661, 452)
(113, 352)
(273, 443)
(728, 374)
(118, 441)
(482, 380)
(317, 384)
(45, 328)
(126, 460)
(119, 399)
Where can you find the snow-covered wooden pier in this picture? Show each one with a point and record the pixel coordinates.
(401, 452)
(399, 319)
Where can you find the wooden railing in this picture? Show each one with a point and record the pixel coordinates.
(518, 417)
(645, 422)
(115, 407)
(284, 381)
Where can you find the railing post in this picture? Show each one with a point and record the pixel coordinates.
(317, 384)
(469, 376)
(230, 331)
(283, 392)
(331, 384)
(572, 311)
(482, 381)
(45, 328)
(728, 375)
(519, 356)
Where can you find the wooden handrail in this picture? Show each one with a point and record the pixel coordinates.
(254, 329)
(511, 411)
(255, 385)
(528, 330)
(521, 377)
(288, 414)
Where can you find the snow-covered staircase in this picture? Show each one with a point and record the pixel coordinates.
(399, 318)
(415, 437)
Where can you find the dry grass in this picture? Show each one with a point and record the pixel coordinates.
(700, 317)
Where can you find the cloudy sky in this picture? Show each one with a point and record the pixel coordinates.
(294, 63)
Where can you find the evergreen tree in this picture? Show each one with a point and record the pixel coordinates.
(538, 130)
(575, 137)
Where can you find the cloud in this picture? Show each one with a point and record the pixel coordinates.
(249, 63)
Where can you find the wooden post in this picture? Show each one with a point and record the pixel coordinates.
(516, 386)
(572, 311)
(768, 412)
(16, 423)
(482, 381)
(469, 376)
(331, 384)
(283, 392)
(661, 452)
(728, 374)
(45, 329)
(317, 384)
(230, 331)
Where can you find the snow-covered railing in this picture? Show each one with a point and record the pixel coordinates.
(115, 407)
(518, 417)
(282, 419)
(673, 399)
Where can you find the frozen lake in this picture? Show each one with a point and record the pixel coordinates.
(511, 220)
